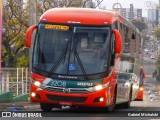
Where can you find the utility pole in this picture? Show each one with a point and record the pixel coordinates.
(32, 12)
(32, 21)
(1, 8)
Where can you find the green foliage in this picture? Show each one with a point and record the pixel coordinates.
(15, 25)
(23, 60)
(139, 24)
(156, 32)
(16, 22)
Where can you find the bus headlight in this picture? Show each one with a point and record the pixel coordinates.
(37, 83)
(98, 87)
(33, 94)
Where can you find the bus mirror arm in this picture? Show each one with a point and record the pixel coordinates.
(28, 37)
(118, 41)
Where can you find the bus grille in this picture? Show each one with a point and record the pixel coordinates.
(66, 99)
(71, 90)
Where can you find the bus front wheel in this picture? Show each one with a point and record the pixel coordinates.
(46, 107)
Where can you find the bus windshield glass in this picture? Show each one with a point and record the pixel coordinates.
(71, 50)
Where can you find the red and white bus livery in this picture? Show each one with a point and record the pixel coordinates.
(84, 57)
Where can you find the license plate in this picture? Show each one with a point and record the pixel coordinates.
(66, 103)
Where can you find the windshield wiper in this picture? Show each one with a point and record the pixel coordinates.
(54, 67)
(80, 62)
(66, 51)
(63, 56)
(76, 55)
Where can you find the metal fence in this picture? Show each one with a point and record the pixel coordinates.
(16, 80)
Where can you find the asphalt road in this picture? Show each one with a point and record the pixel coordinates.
(92, 114)
(98, 114)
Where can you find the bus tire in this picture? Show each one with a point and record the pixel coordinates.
(111, 107)
(141, 99)
(46, 107)
(128, 104)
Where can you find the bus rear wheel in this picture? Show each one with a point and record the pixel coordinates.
(112, 107)
(127, 104)
(46, 107)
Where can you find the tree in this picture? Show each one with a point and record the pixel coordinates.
(44, 5)
(141, 25)
(15, 24)
(156, 32)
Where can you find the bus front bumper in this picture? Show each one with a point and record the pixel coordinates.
(100, 98)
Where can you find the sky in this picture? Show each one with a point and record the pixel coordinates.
(144, 4)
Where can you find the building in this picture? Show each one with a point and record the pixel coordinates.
(131, 13)
(152, 15)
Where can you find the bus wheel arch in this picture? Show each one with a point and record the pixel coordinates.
(112, 106)
(128, 103)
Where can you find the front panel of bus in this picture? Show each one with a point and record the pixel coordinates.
(71, 65)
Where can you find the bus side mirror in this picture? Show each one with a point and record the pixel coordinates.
(28, 37)
(118, 45)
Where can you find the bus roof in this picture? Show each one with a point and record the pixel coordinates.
(81, 16)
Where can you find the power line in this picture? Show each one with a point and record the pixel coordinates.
(99, 2)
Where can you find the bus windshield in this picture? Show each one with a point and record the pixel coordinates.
(71, 50)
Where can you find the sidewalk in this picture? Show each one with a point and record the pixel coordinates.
(25, 105)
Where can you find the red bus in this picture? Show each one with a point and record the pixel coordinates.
(84, 57)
